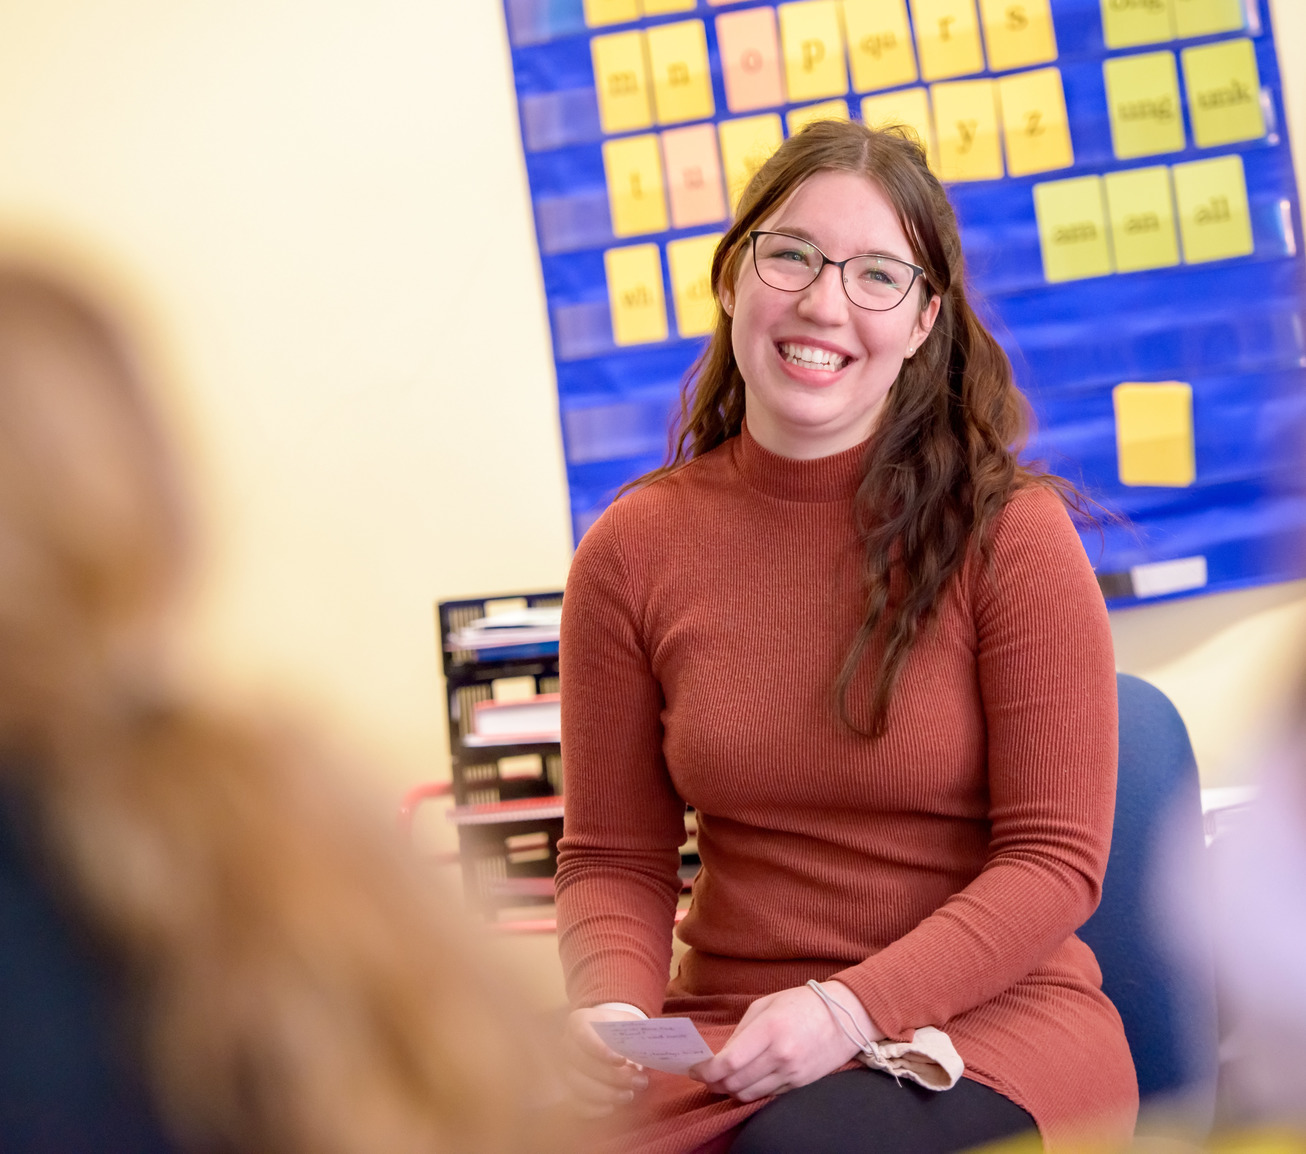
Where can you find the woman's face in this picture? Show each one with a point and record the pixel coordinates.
(816, 367)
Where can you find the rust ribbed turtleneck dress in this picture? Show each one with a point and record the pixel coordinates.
(940, 871)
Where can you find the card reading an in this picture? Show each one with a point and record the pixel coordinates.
(1141, 205)
(672, 1045)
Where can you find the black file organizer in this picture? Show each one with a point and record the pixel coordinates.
(508, 857)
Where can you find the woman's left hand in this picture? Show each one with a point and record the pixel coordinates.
(784, 1040)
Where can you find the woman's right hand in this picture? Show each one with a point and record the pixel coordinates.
(600, 1079)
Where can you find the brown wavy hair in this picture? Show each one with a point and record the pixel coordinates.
(943, 461)
(292, 985)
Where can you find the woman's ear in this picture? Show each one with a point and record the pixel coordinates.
(727, 296)
(925, 322)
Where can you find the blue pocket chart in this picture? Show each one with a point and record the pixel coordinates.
(1124, 181)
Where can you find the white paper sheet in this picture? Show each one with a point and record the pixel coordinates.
(668, 1044)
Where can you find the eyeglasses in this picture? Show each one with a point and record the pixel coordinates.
(871, 281)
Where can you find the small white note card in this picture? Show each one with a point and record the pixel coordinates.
(668, 1044)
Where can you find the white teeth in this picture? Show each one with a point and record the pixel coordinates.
(811, 358)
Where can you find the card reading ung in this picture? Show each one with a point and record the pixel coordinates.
(672, 1045)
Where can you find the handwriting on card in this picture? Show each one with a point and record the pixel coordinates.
(669, 1044)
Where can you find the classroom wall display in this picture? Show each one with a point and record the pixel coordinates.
(1124, 182)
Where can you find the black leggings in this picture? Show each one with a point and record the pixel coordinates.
(867, 1112)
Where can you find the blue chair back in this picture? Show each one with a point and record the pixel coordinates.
(1167, 1005)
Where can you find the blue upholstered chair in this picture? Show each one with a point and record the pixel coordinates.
(1168, 1006)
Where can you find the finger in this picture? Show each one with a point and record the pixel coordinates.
(763, 1088)
(592, 1092)
(761, 1067)
(744, 1047)
(592, 1046)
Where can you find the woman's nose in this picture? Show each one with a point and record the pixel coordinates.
(824, 300)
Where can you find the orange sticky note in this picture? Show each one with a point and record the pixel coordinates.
(750, 59)
(693, 170)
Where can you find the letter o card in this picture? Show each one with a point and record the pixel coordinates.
(750, 59)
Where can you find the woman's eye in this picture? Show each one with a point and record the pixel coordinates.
(879, 276)
(791, 254)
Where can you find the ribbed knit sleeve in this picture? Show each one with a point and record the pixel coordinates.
(1047, 682)
(617, 881)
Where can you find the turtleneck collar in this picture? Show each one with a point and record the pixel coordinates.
(823, 479)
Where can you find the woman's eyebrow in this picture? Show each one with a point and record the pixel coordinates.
(802, 234)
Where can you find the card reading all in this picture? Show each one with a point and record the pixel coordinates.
(1072, 228)
(879, 43)
(1034, 122)
(693, 176)
(1018, 35)
(747, 144)
(601, 12)
(966, 129)
(621, 82)
(690, 262)
(682, 85)
(947, 38)
(909, 108)
(812, 42)
(1154, 433)
(635, 297)
(1224, 92)
(1142, 94)
(750, 59)
(1141, 205)
(1207, 17)
(1127, 23)
(800, 118)
(672, 1045)
(1214, 218)
(633, 166)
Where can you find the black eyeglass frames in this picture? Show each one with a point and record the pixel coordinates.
(870, 280)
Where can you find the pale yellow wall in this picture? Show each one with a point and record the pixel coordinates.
(318, 213)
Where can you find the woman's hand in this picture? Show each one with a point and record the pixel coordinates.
(600, 1079)
(784, 1040)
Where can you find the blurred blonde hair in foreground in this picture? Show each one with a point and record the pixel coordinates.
(292, 986)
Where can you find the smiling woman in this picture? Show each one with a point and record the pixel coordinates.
(848, 627)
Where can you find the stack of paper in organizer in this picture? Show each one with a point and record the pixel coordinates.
(529, 720)
(531, 631)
